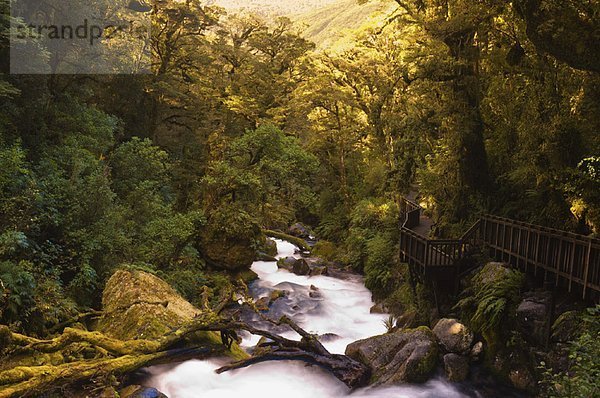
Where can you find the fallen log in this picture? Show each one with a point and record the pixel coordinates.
(117, 357)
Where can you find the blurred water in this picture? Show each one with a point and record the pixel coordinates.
(335, 307)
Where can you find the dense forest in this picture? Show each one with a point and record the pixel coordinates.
(245, 125)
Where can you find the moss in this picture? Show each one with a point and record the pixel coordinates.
(247, 276)
(301, 243)
(326, 250)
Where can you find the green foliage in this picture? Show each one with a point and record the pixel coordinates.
(19, 285)
(380, 264)
(493, 300)
(326, 250)
(581, 378)
(267, 173)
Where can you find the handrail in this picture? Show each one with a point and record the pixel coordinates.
(571, 258)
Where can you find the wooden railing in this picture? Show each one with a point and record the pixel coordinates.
(566, 259)
(561, 257)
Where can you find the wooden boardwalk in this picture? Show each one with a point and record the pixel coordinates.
(565, 259)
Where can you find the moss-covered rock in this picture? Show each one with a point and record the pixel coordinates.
(456, 367)
(230, 239)
(453, 336)
(139, 305)
(403, 356)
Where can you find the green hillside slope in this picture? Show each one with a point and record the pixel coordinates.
(329, 27)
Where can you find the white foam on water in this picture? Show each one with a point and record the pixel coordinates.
(342, 308)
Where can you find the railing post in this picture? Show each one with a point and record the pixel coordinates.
(587, 267)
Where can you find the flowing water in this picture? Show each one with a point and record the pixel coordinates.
(337, 308)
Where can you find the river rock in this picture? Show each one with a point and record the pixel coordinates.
(318, 270)
(456, 367)
(298, 266)
(300, 230)
(262, 304)
(476, 351)
(453, 336)
(532, 317)
(403, 356)
(260, 256)
(379, 308)
(270, 247)
(141, 392)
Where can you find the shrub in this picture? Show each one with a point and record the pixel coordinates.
(581, 379)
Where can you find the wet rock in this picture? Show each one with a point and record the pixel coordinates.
(456, 367)
(276, 295)
(301, 267)
(476, 351)
(453, 336)
(270, 247)
(379, 308)
(300, 230)
(141, 392)
(318, 270)
(532, 317)
(328, 337)
(263, 303)
(298, 266)
(260, 256)
(403, 356)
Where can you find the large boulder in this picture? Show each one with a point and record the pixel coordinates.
(139, 305)
(229, 239)
(228, 254)
(403, 356)
(456, 367)
(453, 336)
(492, 272)
(298, 266)
(532, 317)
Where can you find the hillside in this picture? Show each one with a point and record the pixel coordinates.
(331, 25)
(273, 7)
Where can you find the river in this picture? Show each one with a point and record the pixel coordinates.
(335, 307)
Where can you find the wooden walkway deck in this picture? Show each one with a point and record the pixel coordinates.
(567, 260)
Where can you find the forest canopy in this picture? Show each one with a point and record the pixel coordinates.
(245, 124)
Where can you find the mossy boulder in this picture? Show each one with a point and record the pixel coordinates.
(491, 273)
(456, 367)
(405, 356)
(230, 239)
(228, 254)
(298, 266)
(139, 305)
(453, 336)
